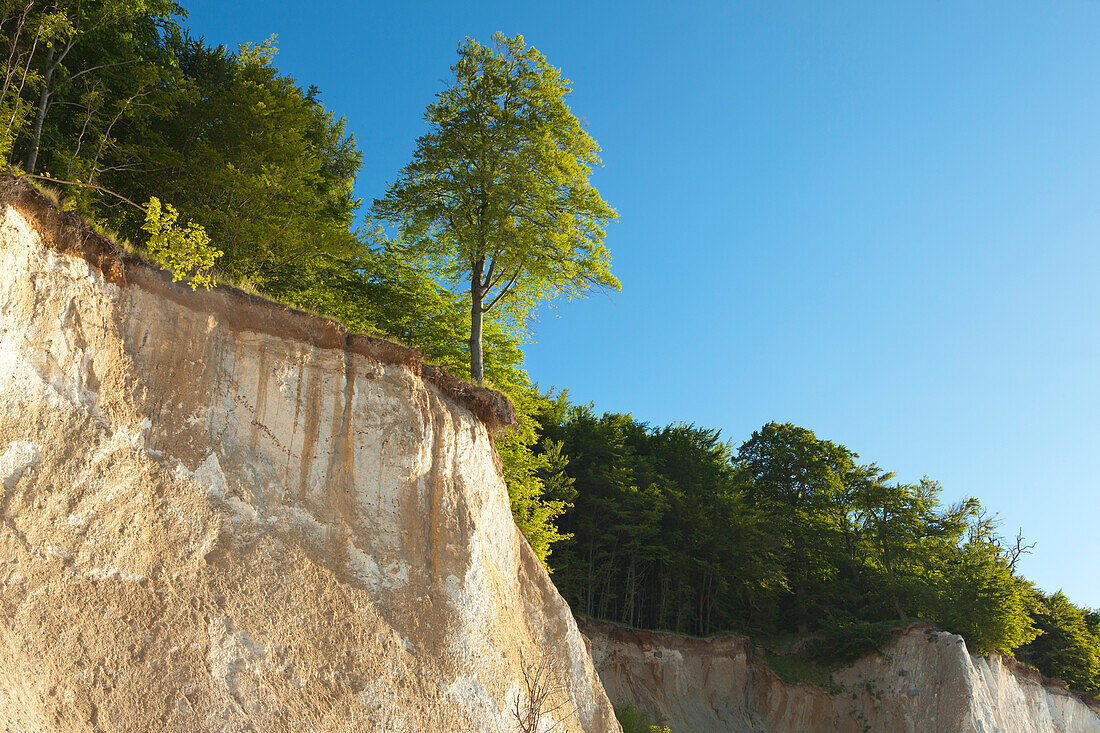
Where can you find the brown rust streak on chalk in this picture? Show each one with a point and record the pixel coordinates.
(259, 413)
(310, 430)
(341, 469)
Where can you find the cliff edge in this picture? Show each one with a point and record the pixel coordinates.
(217, 513)
(923, 680)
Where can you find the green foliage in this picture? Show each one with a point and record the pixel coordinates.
(793, 669)
(636, 720)
(28, 32)
(797, 480)
(376, 293)
(894, 533)
(96, 67)
(538, 489)
(845, 640)
(184, 249)
(497, 196)
(662, 535)
(144, 110)
(981, 597)
(269, 177)
(524, 472)
(1068, 646)
(672, 530)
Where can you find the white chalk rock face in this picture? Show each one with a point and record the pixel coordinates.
(210, 521)
(923, 680)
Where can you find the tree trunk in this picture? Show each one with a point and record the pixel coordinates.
(801, 581)
(633, 594)
(590, 584)
(477, 315)
(40, 116)
(888, 561)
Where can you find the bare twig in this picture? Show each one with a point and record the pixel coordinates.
(545, 696)
(97, 187)
(1018, 549)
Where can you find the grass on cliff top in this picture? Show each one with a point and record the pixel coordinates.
(793, 669)
(220, 276)
(636, 720)
(815, 657)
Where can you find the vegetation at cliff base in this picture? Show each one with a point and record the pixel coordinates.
(249, 179)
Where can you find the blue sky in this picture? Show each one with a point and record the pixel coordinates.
(876, 220)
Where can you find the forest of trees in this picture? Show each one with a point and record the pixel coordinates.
(671, 528)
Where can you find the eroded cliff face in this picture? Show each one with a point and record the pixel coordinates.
(218, 515)
(924, 680)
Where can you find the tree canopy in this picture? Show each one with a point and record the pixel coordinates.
(671, 528)
(1068, 645)
(256, 160)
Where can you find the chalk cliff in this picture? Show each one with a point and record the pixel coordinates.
(924, 680)
(219, 514)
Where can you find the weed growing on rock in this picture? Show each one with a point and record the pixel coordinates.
(636, 720)
(544, 696)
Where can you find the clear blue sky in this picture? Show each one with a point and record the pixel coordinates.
(876, 220)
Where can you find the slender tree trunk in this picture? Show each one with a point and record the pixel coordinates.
(889, 563)
(634, 579)
(477, 315)
(662, 598)
(852, 545)
(800, 584)
(589, 583)
(40, 116)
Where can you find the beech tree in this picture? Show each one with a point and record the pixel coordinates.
(497, 194)
(798, 479)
